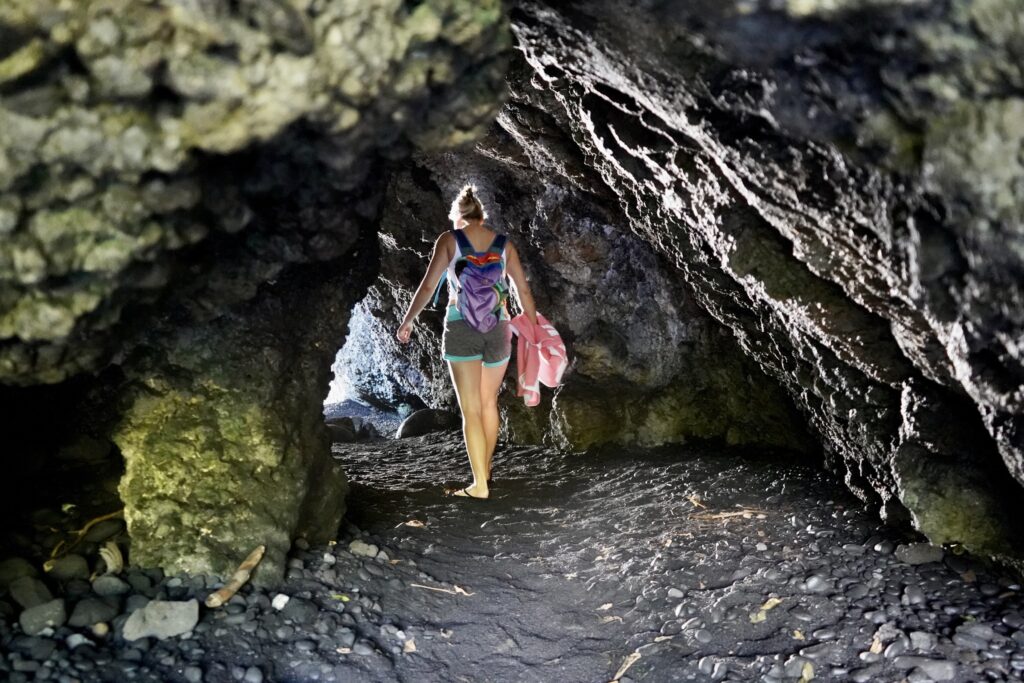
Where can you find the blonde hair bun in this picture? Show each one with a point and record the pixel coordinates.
(467, 206)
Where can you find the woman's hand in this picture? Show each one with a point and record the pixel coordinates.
(404, 332)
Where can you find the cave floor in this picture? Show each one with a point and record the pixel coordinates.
(692, 564)
(686, 563)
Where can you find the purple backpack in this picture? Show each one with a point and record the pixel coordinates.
(482, 289)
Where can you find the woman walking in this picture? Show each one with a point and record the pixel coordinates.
(477, 338)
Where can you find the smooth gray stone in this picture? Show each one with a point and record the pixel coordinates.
(70, 567)
(161, 619)
(253, 675)
(28, 591)
(92, 611)
(921, 640)
(300, 611)
(937, 669)
(15, 568)
(918, 553)
(107, 586)
(104, 530)
(35, 619)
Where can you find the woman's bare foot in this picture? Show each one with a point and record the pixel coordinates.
(472, 492)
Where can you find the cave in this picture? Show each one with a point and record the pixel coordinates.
(782, 242)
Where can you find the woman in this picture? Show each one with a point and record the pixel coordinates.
(476, 360)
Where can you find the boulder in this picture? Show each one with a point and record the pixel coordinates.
(425, 421)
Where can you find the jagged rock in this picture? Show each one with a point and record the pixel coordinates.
(190, 195)
(836, 235)
(162, 619)
(425, 421)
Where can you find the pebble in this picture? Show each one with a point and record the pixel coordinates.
(362, 648)
(29, 591)
(48, 615)
(913, 595)
(14, 568)
(69, 567)
(101, 531)
(76, 639)
(937, 669)
(108, 586)
(92, 611)
(253, 675)
(193, 674)
(918, 553)
(279, 601)
(362, 549)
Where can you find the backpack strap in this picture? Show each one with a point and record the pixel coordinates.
(437, 291)
(465, 246)
(498, 245)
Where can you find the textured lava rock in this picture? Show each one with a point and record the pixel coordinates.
(188, 194)
(649, 366)
(830, 183)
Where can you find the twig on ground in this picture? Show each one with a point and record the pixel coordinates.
(458, 590)
(238, 579)
(629, 661)
(79, 535)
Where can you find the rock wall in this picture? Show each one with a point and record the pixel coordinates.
(828, 184)
(648, 365)
(187, 191)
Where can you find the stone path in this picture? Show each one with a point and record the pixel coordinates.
(690, 564)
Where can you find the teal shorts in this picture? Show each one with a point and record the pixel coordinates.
(460, 342)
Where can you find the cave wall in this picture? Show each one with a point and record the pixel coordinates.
(839, 183)
(188, 193)
(648, 366)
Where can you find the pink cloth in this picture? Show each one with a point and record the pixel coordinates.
(540, 356)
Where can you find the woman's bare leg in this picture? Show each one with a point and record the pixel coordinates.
(466, 378)
(490, 384)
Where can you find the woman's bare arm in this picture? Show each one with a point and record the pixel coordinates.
(435, 270)
(519, 283)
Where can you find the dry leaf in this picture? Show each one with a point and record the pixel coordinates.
(409, 646)
(393, 561)
(658, 639)
(343, 650)
(876, 646)
(807, 674)
(446, 633)
(112, 558)
(798, 634)
(605, 606)
(608, 618)
(969, 576)
(762, 613)
(414, 523)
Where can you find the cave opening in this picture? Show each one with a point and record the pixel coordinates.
(788, 272)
